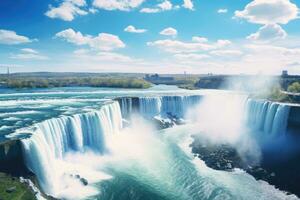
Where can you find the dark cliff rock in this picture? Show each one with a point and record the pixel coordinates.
(283, 175)
(11, 158)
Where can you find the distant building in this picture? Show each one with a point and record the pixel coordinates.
(156, 78)
(284, 73)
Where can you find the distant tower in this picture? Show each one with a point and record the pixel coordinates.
(7, 72)
(8, 76)
(284, 73)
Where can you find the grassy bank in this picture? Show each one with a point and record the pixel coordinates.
(12, 189)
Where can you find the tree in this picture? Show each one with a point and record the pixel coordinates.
(294, 87)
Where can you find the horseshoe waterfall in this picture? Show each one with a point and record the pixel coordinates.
(183, 146)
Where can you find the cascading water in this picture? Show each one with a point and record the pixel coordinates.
(267, 117)
(126, 107)
(150, 106)
(143, 165)
(52, 139)
(165, 106)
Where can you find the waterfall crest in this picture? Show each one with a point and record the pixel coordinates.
(271, 118)
(52, 139)
(164, 106)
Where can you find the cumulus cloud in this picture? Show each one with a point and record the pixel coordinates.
(166, 5)
(67, 10)
(104, 56)
(222, 10)
(269, 12)
(104, 41)
(226, 52)
(28, 50)
(268, 32)
(123, 5)
(191, 56)
(199, 39)
(132, 29)
(222, 43)
(11, 38)
(269, 57)
(93, 10)
(150, 10)
(28, 54)
(169, 31)
(176, 46)
(188, 4)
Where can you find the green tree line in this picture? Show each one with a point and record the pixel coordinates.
(75, 81)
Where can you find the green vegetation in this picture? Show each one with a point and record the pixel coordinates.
(187, 82)
(36, 82)
(274, 94)
(294, 87)
(12, 189)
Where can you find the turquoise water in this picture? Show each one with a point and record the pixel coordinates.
(69, 134)
(23, 108)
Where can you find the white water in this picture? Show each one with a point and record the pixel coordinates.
(163, 106)
(52, 140)
(267, 117)
(95, 146)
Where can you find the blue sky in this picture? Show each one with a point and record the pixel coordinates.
(165, 36)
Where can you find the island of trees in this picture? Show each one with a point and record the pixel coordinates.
(48, 80)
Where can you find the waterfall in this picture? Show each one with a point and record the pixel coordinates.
(126, 107)
(271, 118)
(178, 105)
(150, 106)
(52, 139)
(166, 106)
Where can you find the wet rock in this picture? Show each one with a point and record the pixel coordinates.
(83, 181)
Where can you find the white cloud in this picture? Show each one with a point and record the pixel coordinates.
(188, 4)
(150, 10)
(93, 10)
(110, 56)
(169, 31)
(268, 32)
(28, 54)
(227, 53)
(166, 5)
(269, 12)
(270, 58)
(222, 43)
(104, 41)
(222, 10)
(124, 5)
(176, 46)
(103, 56)
(81, 51)
(199, 39)
(132, 29)
(78, 2)
(67, 10)
(191, 56)
(11, 37)
(28, 50)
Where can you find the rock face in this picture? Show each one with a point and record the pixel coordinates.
(11, 158)
(283, 175)
(84, 181)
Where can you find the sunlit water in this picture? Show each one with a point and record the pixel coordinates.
(78, 133)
